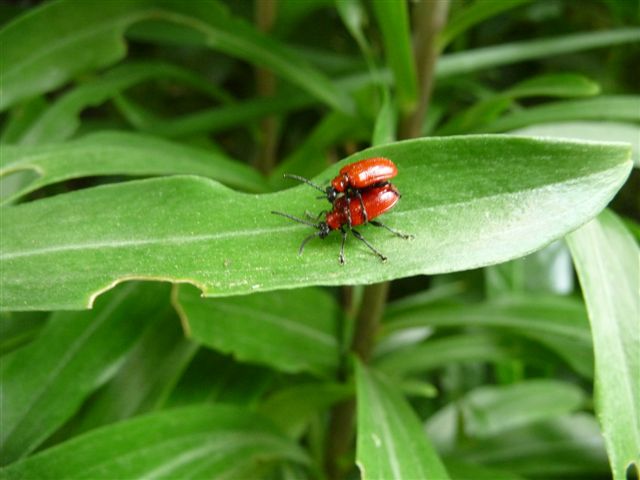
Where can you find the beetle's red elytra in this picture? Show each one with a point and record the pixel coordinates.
(364, 174)
(354, 177)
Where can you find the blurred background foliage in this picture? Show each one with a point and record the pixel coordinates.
(484, 373)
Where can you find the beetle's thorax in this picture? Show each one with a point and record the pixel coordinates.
(340, 183)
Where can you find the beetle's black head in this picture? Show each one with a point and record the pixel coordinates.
(323, 229)
(332, 194)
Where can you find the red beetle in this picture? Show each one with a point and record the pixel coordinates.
(355, 177)
(352, 212)
(363, 174)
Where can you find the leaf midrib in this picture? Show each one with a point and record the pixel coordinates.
(179, 240)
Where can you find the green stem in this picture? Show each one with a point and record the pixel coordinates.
(429, 20)
(265, 12)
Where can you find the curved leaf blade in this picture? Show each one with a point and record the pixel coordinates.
(391, 441)
(506, 54)
(606, 259)
(492, 410)
(291, 331)
(119, 153)
(89, 35)
(62, 119)
(193, 230)
(39, 55)
(563, 447)
(199, 441)
(393, 20)
(440, 352)
(606, 107)
(44, 383)
(594, 131)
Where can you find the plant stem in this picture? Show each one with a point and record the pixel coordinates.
(341, 425)
(265, 14)
(429, 19)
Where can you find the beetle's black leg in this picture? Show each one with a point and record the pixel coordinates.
(395, 232)
(344, 239)
(347, 208)
(371, 247)
(364, 210)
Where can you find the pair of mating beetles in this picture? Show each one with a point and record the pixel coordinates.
(360, 193)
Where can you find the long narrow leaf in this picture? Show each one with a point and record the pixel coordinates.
(506, 54)
(194, 442)
(119, 153)
(391, 441)
(613, 107)
(44, 383)
(89, 35)
(607, 260)
(62, 119)
(594, 131)
(519, 194)
(393, 19)
(290, 331)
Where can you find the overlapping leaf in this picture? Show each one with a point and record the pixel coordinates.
(119, 153)
(290, 331)
(606, 259)
(391, 441)
(192, 442)
(44, 383)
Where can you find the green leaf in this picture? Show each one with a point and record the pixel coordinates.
(519, 194)
(232, 382)
(612, 107)
(492, 410)
(509, 53)
(564, 447)
(440, 352)
(40, 55)
(309, 158)
(354, 16)
(393, 20)
(485, 111)
(291, 331)
(119, 153)
(44, 383)
(547, 271)
(466, 471)
(391, 441)
(193, 442)
(606, 259)
(211, 120)
(18, 328)
(555, 85)
(146, 377)
(62, 119)
(384, 131)
(472, 15)
(476, 116)
(292, 408)
(557, 323)
(594, 131)
(21, 117)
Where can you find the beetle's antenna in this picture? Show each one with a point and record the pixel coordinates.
(304, 242)
(296, 219)
(305, 180)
